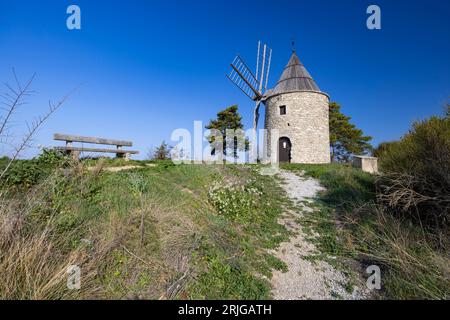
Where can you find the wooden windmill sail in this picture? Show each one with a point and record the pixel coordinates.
(253, 85)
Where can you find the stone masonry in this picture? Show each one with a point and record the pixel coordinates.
(305, 123)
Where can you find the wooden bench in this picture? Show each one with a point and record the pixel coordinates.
(75, 151)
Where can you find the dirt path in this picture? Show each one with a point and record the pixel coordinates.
(305, 279)
(121, 168)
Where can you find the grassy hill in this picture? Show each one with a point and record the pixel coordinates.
(162, 231)
(155, 231)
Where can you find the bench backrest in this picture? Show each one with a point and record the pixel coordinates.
(72, 138)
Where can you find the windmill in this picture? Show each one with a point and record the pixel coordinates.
(252, 85)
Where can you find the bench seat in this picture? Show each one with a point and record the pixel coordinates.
(83, 149)
(94, 140)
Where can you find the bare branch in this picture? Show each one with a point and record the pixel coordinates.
(15, 100)
(17, 80)
(32, 128)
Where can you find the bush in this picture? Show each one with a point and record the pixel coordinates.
(51, 158)
(416, 173)
(26, 173)
(22, 172)
(160, 153)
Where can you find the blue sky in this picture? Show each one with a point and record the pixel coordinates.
(149, 67)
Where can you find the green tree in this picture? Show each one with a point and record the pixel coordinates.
(162, 152)
(384, 148)
(228, 119)
(346, 139)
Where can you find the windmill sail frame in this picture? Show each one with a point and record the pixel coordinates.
(244, 79)
(253, 86)
(263, 59)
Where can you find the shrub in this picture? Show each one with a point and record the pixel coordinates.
(26, 173)
(162, 152)
(416, 173)
(22, 173)
(52, 158)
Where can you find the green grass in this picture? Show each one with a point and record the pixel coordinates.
(145, 228)
(139, 232)
(346, 188)
(235, 248)
(228, 251)
(345, 185)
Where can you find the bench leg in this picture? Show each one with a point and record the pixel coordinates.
(75, 155)
(125, 156)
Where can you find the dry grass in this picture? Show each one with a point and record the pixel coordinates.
(144, 233)
(413, 267)
(34, 267)
(35, 255)
(153, 258)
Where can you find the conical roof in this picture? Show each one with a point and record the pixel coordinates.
(295, 77)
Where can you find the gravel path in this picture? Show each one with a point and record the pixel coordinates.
(305, 279)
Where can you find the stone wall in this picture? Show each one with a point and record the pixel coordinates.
(305, 123)
(366, 164)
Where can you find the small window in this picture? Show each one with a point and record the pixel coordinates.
(282, 110)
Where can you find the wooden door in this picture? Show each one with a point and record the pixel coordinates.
(284, 150)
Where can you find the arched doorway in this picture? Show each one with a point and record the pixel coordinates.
(284, 149)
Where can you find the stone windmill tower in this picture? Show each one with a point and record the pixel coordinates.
(295, 107)
(299, 110)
